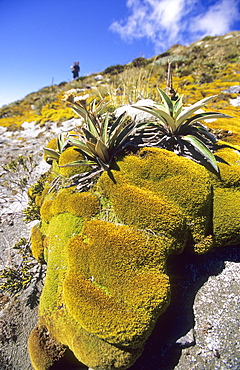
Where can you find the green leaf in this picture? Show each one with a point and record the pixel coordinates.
(115, 133)
(53, 154)
(60, 142)
(167, 119)
(202, 149)
(125, 133)
(190, 110)
(89, 136)
(100, 108)
(142, 125)
(177, 107)
(79, 163)
(93, 105)
(207, 115)
(81, 145)
(80, 111)
(104, 129)
(159, 114)
(201, 130)
(119, 121)
(102, 151)
(166, 101)
(92, 128)
(104, 166)
(92, 148)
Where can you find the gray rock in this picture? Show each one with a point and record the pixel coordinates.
(235, 102)
(98, 78)
(205, 304)
(187, 340)
(136, 113)
(233, 90)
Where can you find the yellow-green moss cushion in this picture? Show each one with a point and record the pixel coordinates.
(106, 250)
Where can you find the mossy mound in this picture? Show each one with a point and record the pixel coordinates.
(158, 190)
(106, 282)
(71, 154)
(43, 350)
(37, 244)
(116, 280)
(229, 165)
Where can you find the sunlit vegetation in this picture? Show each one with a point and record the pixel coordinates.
(207, 67)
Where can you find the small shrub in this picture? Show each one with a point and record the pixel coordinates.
(232, 57)
(166, 54)
(139, 62)
(114, 70)
(205, 79)
(208, 38)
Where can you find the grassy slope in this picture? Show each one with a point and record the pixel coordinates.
(206, 67)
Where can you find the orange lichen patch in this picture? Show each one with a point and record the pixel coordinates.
(15, 116)
(111, 319)
(106, 282)
(61, 201)
(60, 230)
(84, 205)
(87, 348)
(39, 199)
(97, 353)
(55, 115)
(104, 242)
(99, 313)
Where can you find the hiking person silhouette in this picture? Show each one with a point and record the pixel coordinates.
(75, 70)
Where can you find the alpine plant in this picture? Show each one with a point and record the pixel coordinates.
(178, 129)
(100, 140)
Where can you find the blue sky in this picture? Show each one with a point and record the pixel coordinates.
(40, 39)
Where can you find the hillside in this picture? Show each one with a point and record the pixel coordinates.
(207, 67)
(200, 328)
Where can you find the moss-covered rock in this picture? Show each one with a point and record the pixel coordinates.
(161, 191)
(118, 275)
(106, 282)
(83, 205)
(43, 350)
(69, 155)
(229, 166)
(226, 216)
(37, 245)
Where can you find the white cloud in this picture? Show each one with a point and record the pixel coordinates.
(218, 18)
(165, 22)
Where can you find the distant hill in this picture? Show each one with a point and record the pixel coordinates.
(206, 67)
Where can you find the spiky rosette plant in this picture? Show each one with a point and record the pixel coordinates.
(54, 154)
(177, 128)
(100, 140)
